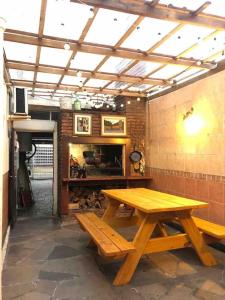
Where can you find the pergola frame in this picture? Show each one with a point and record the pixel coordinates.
(138, 7)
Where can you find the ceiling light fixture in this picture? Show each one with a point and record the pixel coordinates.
(67, 46)
(91, 13)
(79, 74)
(198, 63)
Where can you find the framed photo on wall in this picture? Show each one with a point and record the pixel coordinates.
(82, 124)
(113, 126)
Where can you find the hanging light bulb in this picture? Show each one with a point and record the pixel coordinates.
(91, 13)
(67, 46)
(128, 102)
(138, 99)
(79, 74)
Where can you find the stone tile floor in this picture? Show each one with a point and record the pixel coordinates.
(42, 193)
(47, 259)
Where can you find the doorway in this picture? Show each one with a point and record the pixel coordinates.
(35, 174)
(39, 198)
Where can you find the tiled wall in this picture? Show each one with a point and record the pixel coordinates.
(191, 165)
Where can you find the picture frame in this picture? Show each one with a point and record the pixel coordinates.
(113, 125)
(82, 124)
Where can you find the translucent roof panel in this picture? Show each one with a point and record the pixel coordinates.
(21, 75)
(183, 39)
(23, 52)
(216, 8)
(109, 26)
(98, 83)
(45, 77)
(117, 85)
(86, 61)
(208, 48)
(220, 57)
(168, 71)
(22, 15)
(65, 19)
(143, 68)
(73, 80)
(54, 57)
(148, 33)
(193, 76)
(38, 90)
(115, 65)
(192, 5)
(187, 73)
(139, 87)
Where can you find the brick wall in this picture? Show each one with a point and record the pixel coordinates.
(135, 115)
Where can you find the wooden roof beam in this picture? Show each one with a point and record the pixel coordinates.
(81, 39)
(160, 11)
(87, 74)
(152, 3)
(40, 35)
(71, 88)
(200, 9)
(99, 49)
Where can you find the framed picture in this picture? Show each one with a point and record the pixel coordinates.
(82, 124)
(113, 125)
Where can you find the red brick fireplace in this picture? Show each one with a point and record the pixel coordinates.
(135, 117)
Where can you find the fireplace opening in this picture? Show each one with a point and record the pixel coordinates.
(95, 160)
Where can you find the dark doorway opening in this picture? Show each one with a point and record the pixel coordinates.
(35, 174)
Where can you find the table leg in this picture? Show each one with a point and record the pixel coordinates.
(140, 241)
(110, 210)
(197, 240)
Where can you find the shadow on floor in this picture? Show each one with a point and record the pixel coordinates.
(42, 194)
(49, 260)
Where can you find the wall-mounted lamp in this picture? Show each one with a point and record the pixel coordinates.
(192, 123)
(188, 113)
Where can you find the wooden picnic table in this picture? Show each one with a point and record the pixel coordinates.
(151, 210)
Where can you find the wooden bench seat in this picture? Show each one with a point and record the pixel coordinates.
(107, 240)
(212, 229)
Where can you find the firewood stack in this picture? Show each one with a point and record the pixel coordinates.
(88, 199)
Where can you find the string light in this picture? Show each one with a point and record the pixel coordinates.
(67, 46)
(91, 13)
(79, 74)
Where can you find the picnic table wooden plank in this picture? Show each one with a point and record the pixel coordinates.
(152, 201)
(106, 246)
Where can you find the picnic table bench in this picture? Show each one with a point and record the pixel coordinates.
(152, 209)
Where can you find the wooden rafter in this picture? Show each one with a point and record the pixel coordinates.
(155, 46)
(72, 88)
(153, 3)
(98, 49)
(87, 74)
(211, 35)
(200, 9)
(81, 39)
(119, 43)
(40, 35)
(160, 11)
(195, 45)
(6, 70)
